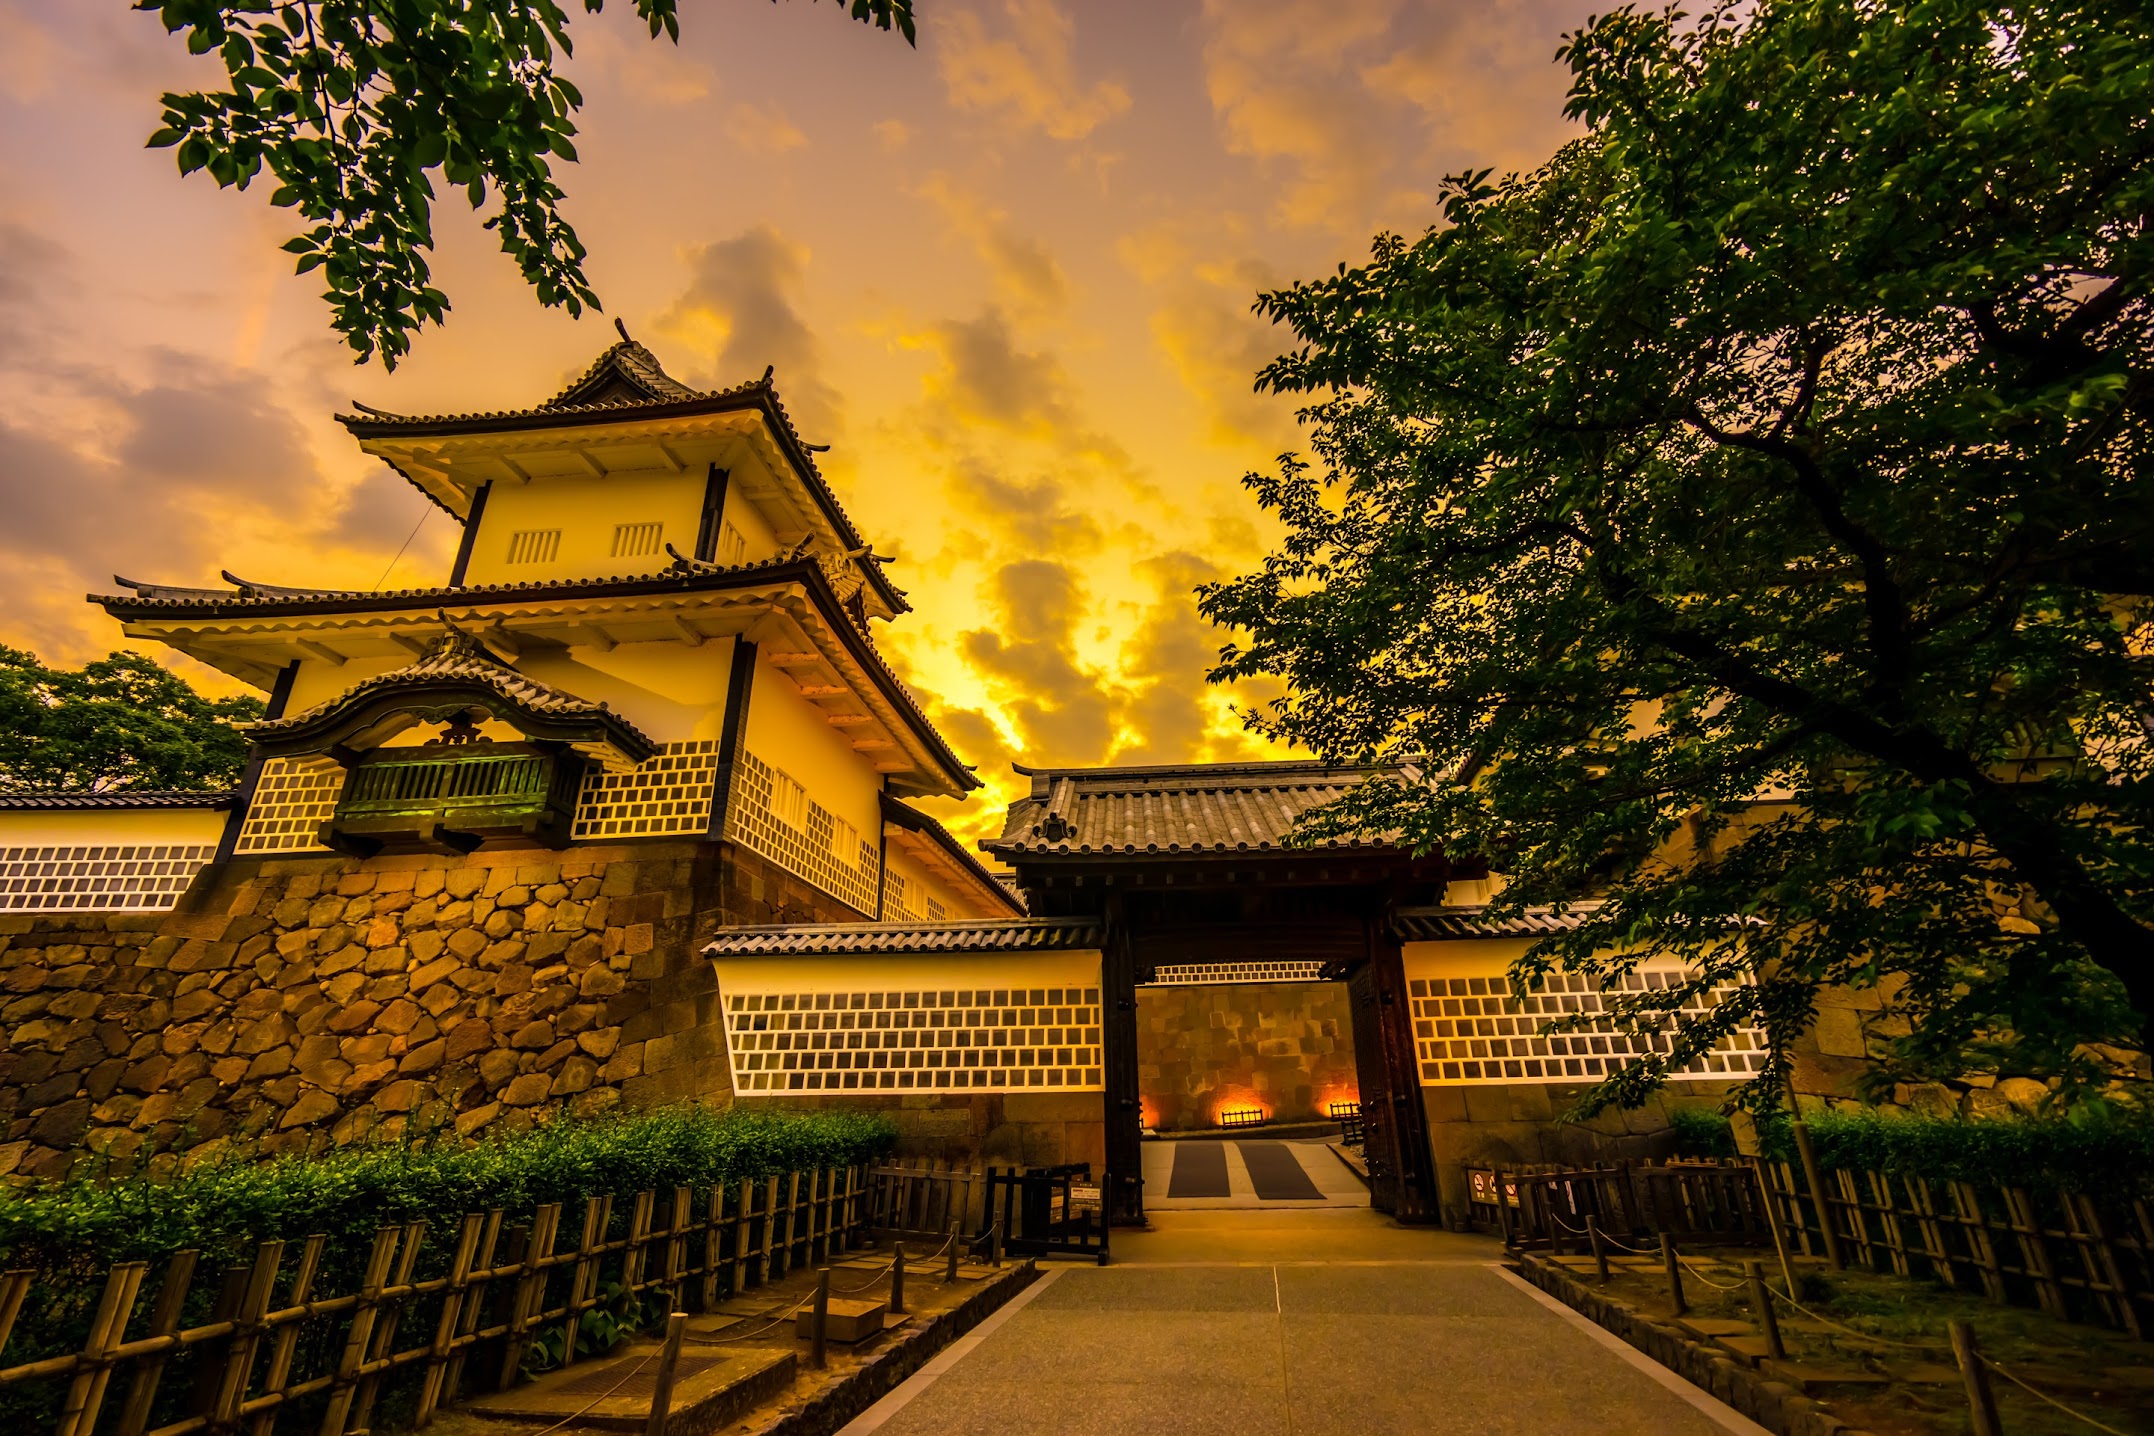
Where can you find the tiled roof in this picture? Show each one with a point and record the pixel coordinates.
(1439, 924)
(151, 600)
(1037, 934)
(692, 578)
(62, 799)
(457, 658)
(1190, 810)
(626, 382)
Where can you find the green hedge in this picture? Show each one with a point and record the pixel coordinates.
(223, 1207)
(2103, 1150)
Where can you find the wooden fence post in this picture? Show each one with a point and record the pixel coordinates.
(384, 1342)
(1761, 1301)
(526, 1297)
(164, 1321)
(280, 1354)
(451, 1317)
(86, 1393)
(1672, 1263)
(1814, 1177)
(1981, 1401)
(662, 1390)
(239, 1357)
(819, 1331)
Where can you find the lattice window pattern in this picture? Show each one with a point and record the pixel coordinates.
(897, 900)
(290, 805)
(802, 848)
(1470, 1029)
(132, 877)
(665, 795)
(534, 545)
(957, 1040)
(1199, 974)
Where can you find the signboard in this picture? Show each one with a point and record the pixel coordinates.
(1481, 1181)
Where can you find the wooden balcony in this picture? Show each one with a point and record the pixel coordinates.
(451, 798)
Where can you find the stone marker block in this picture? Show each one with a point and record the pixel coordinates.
(849, 1320)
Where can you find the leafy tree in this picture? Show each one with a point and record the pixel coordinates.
(1746, 518)
(123, 721)
(355, 105)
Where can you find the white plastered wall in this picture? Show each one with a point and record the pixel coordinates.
(102, 859)
(586, 511)
(913, 1022)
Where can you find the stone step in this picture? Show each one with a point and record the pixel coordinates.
(712, 1387)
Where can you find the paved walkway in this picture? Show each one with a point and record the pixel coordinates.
(1292, 1323)
(1202, 1174)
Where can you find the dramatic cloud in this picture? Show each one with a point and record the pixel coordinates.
(1025, 74)
(740, 313)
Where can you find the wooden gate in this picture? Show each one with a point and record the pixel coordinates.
(1047, 1211)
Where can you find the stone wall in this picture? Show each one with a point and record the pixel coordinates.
(1515, 1124)
(295, 1002)
(1285, 1046)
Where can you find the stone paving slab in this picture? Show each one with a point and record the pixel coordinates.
(1209, 1326)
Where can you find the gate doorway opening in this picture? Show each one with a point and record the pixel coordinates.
(1248, 1088)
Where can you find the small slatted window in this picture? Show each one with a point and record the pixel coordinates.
(632, 540)
(732, 548)
(534, 545)
(788, 801)
(935, 911)
(844, 840)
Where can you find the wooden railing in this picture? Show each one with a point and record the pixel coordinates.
(2063, 1252)
(273, 1343)
(922, 1203)
(1694, 1201)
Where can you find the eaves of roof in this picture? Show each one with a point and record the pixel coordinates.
(63, 799)
(904, 815)
(1180, 811)
(835, 939)
(1445, 924)
(805, 572)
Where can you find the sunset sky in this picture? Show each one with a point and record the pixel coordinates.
(1007, 275)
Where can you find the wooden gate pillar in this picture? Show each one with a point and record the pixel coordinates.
(1118, 1039)
(1382, 1003)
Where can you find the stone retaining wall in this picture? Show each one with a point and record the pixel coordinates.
(1285, 1046)
(296, 1002)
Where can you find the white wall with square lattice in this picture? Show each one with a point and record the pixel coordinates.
(1202, 974)
(666, 795)
(807, 849)
(291, 802)
(99, 877)
(1468, 1028)
(927, 1023)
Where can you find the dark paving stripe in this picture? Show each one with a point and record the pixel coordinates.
(1200, 1170)
(1276, 1173)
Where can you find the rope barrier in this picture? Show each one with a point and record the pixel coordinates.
(2044, 1396)
(568, 1420)
(1701, 1276)
(1851, 1331)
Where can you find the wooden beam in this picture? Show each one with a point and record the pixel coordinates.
(322, 651)
(583, 456)
(792, 660)
(822, 690)
(847, 720)
(690, 635)
(596, 637)
(411, 642)
(862, 745)
(671, 460)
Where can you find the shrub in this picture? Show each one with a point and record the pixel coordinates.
(70, 1231)
(1701, 1134)
(2093, 1149)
